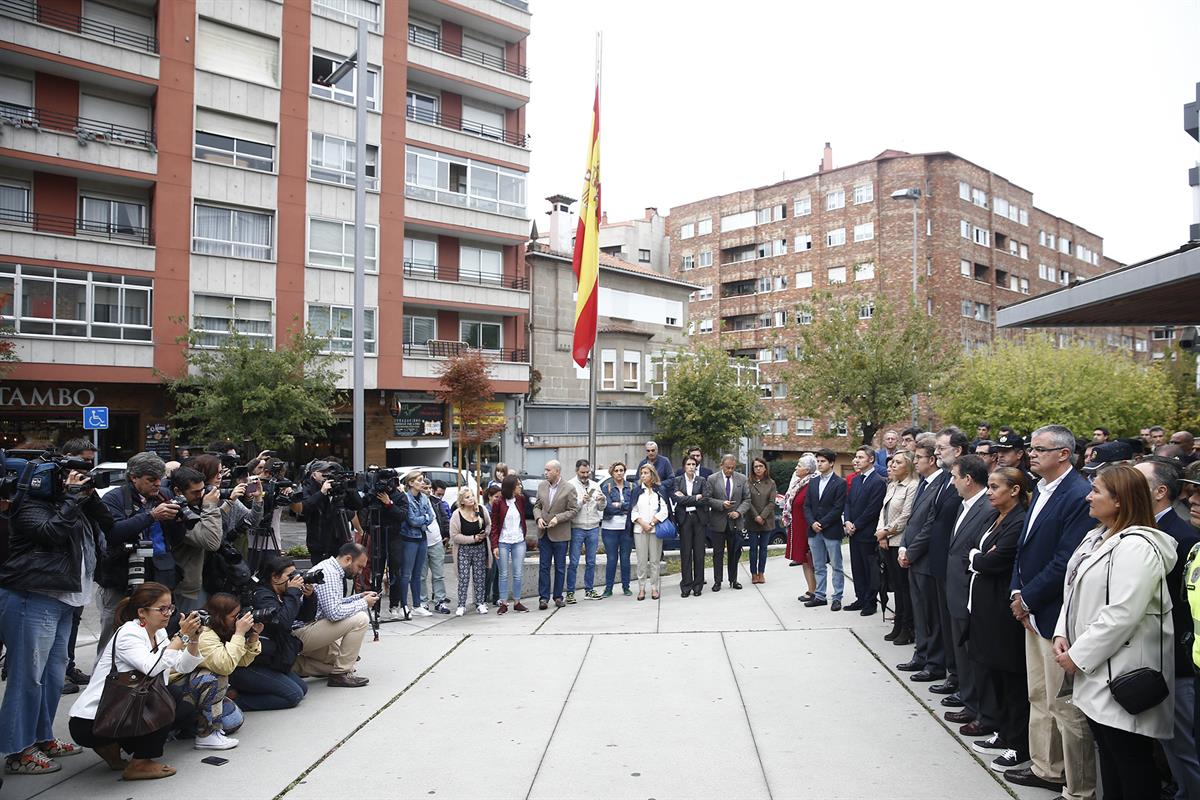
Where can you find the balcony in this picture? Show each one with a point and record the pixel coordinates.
(51, 133)
(469, 72)
(435, 42)
(443, 208)
(31, 24)
(70, 240)
(422, 361)
(422, 282)
(445, 132)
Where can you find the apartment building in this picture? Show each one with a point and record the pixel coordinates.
(760, 255)
(166, 165)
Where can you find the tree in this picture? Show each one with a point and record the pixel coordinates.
(1030, 383)
(1179, 367)
(466, 386)
(704, 403)
(8, 352)
(865, 370)
(243, 389)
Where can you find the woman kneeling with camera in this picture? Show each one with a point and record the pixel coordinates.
(140, 645)
(268, 683)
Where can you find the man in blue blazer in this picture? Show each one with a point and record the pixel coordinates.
(929, 658)
(864, 501)
(1060, 743)
(823, 507)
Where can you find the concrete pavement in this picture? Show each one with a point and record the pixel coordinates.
(741, 694)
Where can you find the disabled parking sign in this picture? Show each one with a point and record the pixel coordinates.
(95, 418)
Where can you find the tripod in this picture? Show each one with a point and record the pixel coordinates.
(372, 576)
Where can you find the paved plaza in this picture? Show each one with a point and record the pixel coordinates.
(741, 694)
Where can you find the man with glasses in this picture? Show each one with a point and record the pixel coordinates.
(661, 464)
(1060, 743)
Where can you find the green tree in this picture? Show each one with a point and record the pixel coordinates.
(1179, 368)
(705, 404)
(244, 389)
(466, 386)
(1031, 383)
(865, 370)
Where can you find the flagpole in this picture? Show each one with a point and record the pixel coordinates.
(596, 342)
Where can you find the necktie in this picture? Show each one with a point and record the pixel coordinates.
(727, 495)
(921, 489)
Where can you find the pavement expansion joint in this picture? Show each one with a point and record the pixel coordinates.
(558, 719)
(746, 712)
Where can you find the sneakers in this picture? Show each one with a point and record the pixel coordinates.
(502, 609)
(391, 613)
(481, 608)
(78, 677)
(1009, 760)
(442, 607)
(592, 594)
(422, 611)
(57, 748)
(989, 745)
(216, 740)
(30, 761)
(607, 593)
(627, 591)
(570, 598)
(458, 612)
(519, 607)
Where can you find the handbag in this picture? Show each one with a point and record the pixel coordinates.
(133, 703)
(1143, 688)
(665, 529)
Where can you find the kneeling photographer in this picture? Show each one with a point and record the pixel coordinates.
(330, 643)
(330, 495)
(200, 509)
(268, 683)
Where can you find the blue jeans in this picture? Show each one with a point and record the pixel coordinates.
(35, 629)
(827, 551)
(618, 544)
(512, 569)
(589, 540)
(758, 550)
(264, 689)
(412, 554)
(547, 551)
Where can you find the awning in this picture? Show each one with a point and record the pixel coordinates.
(1160, 291)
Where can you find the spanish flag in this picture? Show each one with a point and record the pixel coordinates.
(586, 260)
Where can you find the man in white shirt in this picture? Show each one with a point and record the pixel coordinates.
(585, 530)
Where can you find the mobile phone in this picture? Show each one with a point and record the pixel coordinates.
(216, 761)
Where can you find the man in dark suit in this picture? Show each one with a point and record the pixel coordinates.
(975, 516)
(728, 496)
(701, 470)
(928, 658)
(1163, 476)
(823, 507)
(1061, 747)
(864, 501)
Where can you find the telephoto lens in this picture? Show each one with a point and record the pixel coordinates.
(140, 565)
(316, 576)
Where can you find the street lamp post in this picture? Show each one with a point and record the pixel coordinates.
(355, 62)
(913, 194)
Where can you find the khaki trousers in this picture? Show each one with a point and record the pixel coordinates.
(1060, 741)
(649, 556)
(330, 648)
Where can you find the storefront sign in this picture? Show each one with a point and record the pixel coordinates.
(419, 419)
(158, 441)
(46, 397)
(493, 415)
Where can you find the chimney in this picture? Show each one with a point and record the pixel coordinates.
(826, 159)
(651, 213)
(603, 217)
(562, 223)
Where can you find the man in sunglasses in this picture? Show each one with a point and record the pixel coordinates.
(661, 464)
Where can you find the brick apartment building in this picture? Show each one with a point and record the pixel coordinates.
(981, 243)
(174, 161)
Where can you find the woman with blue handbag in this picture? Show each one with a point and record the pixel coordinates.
(650, 508)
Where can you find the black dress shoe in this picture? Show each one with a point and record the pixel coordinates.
(836, 605)
(911, 666)
(951, 701)
(816, 601)
(804, 598)
(735, 584)
(717, 586)
(975, 728)
(949, 687)
(891, 637)
(855, 606)
(905, 638)
(686, 592)
(1026, 777)
(696, 591)
(925, 676)
(868, 611)
(958, 717)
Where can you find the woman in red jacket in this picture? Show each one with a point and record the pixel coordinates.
(796, 525)
(508, 541)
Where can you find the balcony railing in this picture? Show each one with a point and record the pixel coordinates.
(437, 348)
(416, 269)
(466, 126)
(33, 11)
(88, 130)
(436, 42)
(70, 226)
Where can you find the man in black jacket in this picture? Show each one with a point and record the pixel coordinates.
(325, 503)
(393, 511)
(823, 507)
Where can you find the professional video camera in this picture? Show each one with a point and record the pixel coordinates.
(343, 481)
(43, 474)
(376, 480)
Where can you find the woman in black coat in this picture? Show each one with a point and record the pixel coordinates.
(996, 640)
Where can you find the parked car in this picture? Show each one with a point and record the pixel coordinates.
(445, 475)
(115, 470)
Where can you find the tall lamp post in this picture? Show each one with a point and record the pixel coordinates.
(360, 231)
(914, 195)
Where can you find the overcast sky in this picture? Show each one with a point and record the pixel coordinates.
(1078, 102)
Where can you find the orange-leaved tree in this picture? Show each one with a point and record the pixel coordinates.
(466, 386)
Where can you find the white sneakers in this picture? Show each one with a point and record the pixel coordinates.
(422, 611)
(459, 611)
(481, 608)
(216, 740)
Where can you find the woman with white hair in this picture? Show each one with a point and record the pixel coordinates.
(796, 525)
(897, 507)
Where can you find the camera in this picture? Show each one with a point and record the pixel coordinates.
(264, 615)
(187, 516)
(141, 563)
(204, 617)
(379, 479)
(43, 475)
(316, 576)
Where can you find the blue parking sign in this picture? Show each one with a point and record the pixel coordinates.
(95, 418)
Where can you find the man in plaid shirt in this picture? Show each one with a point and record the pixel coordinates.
(330, 643)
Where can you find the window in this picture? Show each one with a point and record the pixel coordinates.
(704, 226)
(803, 242)
(687, 230)
(864, 193)
(41, 301)
(1023, 251)
(835, 237)
(866, 310)
(1047, 273)
(705, 293)
(981, 235)
(487, 122)
(631, 370)
(779, 391)
(111, 217)
(479, 334)
(983, 312)
(979, 197)
(1162, 334)
(803, 317)
(835, 199)
(965, 268)
(336, 323)
(804, 280)
(480, 264)
(419, 331)
(332, 161)
(776, 247)
(236, 52)
(777, 427)
(644, 256)
(763, 284)
(1064, 277)
(420, 106)
(864, 232)
(234, 152)
(1051, 241)
(964, 190)
(1064, 246)
(968, 308)
(836, 275)
(706, 258)
(688, 262)
(451, 180)
(864, 271)
(1042, 238)
(349, 11)
(964, 229)
(232, 232)
(216, 317)
(421, 255)
(345, 90)
(1024, 286)
(706, 326)
(804, 427)
(1139, 346)
(14, 202)
(608, 370)
(838, 428)
(1023, 217)
(802, 207)
(331, 244)
(734, 222)
(780, 283)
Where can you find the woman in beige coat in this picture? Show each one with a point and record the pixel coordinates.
(469, 527)
(1116, 618)
(897, 506)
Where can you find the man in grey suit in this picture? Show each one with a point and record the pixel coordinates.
(975, 516)
(728, 498)
(555, 507)
(928, 656)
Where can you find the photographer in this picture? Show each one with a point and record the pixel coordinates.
(268, 684)
(330, 643)
(53, 542)
(141, 510)
(325, 502)
(393, 514)
(202, 537)
(80, 448)
(265, 471)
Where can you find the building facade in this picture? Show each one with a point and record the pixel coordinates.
(175, 165)
(638, 241)
(759, 255)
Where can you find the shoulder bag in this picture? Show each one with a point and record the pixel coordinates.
(1143, 688)
(133, 704)
(665, 529)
